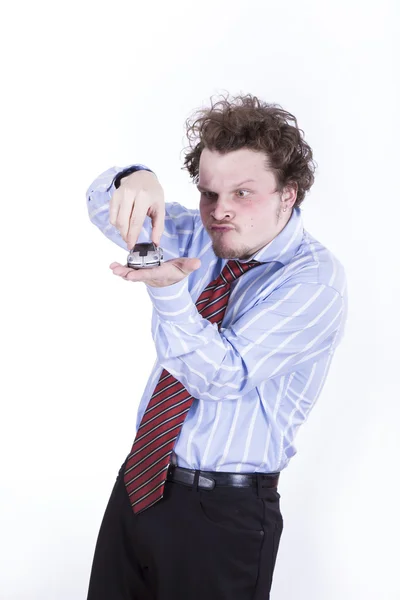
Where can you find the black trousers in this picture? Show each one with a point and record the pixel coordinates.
(193, 544)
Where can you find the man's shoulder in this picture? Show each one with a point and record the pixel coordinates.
(314, 263)
(177, 211)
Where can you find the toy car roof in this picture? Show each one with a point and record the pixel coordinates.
(144, 248)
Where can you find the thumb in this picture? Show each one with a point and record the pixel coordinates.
(187, 265)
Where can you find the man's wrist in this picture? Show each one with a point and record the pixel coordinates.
(128, 171)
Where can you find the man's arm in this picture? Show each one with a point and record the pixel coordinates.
(296, 323)
(179, 221)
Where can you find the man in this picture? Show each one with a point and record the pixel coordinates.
(248, 311)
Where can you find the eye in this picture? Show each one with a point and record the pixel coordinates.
(242, 193)
(208, 195)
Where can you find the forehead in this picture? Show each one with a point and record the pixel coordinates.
(232, 167)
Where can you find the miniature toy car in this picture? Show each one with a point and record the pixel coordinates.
(145, 256)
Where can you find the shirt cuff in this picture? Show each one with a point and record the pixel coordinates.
(173, 302)
(116, 182)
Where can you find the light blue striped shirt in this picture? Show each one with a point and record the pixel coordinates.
(255, 380)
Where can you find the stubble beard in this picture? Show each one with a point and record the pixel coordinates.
(238, 253)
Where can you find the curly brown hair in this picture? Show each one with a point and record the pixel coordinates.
(247, 122)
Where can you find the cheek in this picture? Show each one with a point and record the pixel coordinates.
(204, 210)
(250, 214)
(255, 219)
(258, 212)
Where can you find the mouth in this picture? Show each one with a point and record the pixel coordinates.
(221, 228)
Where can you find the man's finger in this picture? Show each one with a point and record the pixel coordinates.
(126, 205)
(130, 274)
(114, 208)
(158, 222)
(136, 223)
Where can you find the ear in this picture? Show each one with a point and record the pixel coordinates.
(289, 195)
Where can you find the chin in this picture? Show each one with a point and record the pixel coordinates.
(223, 252)
(231, 253)
(228, 255)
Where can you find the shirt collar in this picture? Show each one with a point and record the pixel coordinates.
(285, 245)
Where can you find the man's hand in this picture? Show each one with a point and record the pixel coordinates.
(138, 196)
(167, 273)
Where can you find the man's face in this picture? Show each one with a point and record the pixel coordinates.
(239, 205)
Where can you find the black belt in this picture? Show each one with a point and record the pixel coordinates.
(209, 479)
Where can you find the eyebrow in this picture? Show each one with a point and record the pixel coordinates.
(235, 187)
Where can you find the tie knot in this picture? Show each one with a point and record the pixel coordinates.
(234, 269)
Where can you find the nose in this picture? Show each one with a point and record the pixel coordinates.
(222, 209)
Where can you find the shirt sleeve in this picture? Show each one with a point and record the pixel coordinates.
(296, 323)
(180, 222)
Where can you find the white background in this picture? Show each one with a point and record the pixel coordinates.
(88, 85)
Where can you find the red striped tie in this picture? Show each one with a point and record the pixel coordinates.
(147, 464)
